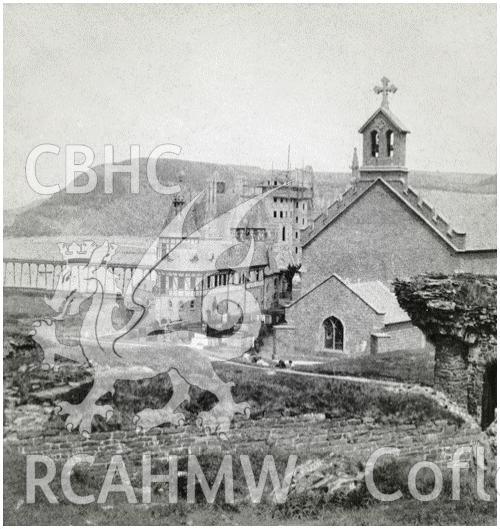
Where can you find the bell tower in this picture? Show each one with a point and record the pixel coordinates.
(384, 141)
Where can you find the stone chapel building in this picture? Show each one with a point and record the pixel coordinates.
(379, 229)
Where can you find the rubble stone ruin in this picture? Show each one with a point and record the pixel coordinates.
(458, 315)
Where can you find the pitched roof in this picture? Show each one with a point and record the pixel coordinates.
(389, 115)
(381, 299)
(203, 255)
(475, 214)
(477, 225)
(373, 293)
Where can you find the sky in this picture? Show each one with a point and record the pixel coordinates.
(238, 83)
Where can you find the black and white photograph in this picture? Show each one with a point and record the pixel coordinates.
(249, 264)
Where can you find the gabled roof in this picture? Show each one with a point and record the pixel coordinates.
(342, 282)
(381, 299)
(389, 116)
(420, 207)
(374, 294)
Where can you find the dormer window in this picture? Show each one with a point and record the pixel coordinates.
(389, 138)
(375, 143)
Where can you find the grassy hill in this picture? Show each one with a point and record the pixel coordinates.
(145, 213)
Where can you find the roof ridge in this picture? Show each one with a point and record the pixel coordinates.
(437, 220)
(453, 237)
(333, 210)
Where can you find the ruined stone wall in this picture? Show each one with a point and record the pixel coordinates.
(305, 435)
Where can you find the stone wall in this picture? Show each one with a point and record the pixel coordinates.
(378, 237)
(450, 369)
(306, 435)
(400, 336)
(332, 298)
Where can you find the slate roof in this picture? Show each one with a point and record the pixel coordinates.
(476, 214)
(129, 249)
(457, 212)
(381, 299)
(205, 255)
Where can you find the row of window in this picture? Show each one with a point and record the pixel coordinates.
(281, 200)
(275, 215)
(212, 281)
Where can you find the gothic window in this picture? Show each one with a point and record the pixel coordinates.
(333, 334)
(375, 143)
(389, 138)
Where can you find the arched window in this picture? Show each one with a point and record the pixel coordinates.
(375, 143)
(333, 334)
(283, 233)
(389, 141)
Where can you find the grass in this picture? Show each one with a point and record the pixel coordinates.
(315, 508)
(413, 367)
(270, 394)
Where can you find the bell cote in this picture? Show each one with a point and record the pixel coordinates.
(384, 141)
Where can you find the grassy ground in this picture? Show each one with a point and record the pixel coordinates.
(341, 508)
(270, 394)
(414, 367)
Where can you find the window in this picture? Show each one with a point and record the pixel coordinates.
(180, 283)
(296, 234)
(389, 138)
(281, 214)
(297, 220)
(275, 214)
(303, 221)
(283, 233)
(163, 284)
(275, 199)
(333, 334)
(171, 282)
(193, 283)
(303, 205)
(296, 250)
(375, 143)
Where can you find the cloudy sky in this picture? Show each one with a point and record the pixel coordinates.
(238, 83)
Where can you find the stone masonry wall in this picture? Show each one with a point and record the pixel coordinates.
(332, 298)
(401, 336)
(306, 435)
(450, 369)
(378, 237)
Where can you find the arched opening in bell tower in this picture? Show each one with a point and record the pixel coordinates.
(375, 143)
(389, 141)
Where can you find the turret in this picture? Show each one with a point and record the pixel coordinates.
(384, 141)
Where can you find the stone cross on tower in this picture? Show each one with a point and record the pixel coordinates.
(384, 90)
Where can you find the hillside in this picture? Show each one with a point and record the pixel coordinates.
(145, 214)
